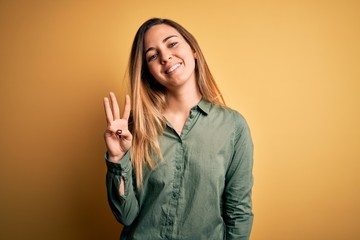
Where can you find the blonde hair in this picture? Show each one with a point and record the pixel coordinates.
(148, 97)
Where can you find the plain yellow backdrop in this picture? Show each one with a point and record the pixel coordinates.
(292, 68)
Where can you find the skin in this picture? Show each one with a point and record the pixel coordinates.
(117, 145)
(165, 50)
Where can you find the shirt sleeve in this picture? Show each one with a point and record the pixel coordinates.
(124, 207)
(238, 215)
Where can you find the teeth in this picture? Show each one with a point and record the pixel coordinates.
(173, 68)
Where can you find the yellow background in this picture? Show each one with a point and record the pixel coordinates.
(292, 68)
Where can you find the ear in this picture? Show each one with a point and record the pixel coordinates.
(195, 55)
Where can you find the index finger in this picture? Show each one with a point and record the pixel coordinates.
(127, 108)
(108, 112)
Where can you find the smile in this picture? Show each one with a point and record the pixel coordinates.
(173, 68)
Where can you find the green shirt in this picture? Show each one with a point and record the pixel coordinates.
(200, 190)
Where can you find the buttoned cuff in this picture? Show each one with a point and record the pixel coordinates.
(120, 168)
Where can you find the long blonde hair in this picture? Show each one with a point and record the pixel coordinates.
(148, 97)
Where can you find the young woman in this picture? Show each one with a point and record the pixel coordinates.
(179, 161)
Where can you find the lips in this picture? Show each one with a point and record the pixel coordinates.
(173, 68)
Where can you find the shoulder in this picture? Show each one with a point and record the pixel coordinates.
(229, 114)
(226, 118)
(234, 122)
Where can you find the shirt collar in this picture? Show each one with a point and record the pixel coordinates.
(204, 106)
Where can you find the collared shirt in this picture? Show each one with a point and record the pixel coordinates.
(200, 190)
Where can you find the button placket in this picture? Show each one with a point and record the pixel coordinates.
(175, 193)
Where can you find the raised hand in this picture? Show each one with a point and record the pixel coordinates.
(117, 135)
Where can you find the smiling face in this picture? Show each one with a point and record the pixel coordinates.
(169, 57)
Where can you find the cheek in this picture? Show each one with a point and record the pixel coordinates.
(191, 63)
(155, 71)
(152, 69)
(190, 57)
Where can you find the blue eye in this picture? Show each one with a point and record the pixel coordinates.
(173, 44)
(152, 57)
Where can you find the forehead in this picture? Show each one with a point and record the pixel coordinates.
(158, 33)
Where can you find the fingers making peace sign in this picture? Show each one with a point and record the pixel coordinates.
(117, 135)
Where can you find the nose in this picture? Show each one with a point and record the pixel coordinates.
(165, 57)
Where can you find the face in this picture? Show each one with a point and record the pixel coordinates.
(169, 57)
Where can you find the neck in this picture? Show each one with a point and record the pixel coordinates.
(181, 99)
(178, 107)
(181, 102)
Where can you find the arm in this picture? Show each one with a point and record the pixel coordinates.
(238, 215)
(118, 140)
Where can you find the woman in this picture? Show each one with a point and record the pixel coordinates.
(183, 167)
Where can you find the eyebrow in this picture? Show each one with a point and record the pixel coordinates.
(163, 41)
